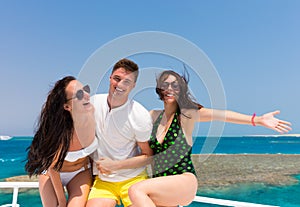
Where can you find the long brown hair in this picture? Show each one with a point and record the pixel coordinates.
(54, 131)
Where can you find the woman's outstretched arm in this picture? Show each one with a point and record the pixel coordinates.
(267, 120)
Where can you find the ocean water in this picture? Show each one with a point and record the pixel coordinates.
(13, 155)
(247, 145)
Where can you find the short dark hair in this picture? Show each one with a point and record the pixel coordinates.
(128, 65)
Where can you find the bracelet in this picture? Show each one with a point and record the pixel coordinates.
(252, 119)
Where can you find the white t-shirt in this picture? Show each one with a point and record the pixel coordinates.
(118, 132)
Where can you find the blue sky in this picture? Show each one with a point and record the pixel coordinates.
(254, 46)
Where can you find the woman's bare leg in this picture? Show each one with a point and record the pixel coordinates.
(79, 188)
(170, 190)
(47, 192)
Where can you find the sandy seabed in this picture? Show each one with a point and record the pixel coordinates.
(224, 170)
(216, 170)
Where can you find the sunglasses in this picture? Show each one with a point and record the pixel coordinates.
(80, 93)
(174, 85)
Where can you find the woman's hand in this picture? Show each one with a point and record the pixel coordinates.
(268, 120)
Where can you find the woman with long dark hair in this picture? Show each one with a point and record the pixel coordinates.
(60, 149)
(174, 179)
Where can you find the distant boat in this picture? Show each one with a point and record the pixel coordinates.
(5, 137)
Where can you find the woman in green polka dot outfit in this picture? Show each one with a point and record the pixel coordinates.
(174, 181)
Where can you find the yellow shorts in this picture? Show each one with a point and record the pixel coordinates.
(115, 190)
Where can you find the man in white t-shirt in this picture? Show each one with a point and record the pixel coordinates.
(123, 128)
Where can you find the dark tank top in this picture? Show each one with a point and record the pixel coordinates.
(173, 155)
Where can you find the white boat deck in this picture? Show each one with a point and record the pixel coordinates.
(200, 199)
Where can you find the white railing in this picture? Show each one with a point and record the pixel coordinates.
(16, 186)
(199, 199)
(223, 202)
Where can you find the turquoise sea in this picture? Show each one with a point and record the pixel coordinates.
(13, 154)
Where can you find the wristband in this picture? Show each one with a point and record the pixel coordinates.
(252, 119)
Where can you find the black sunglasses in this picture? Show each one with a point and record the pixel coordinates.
(79, 94)
(174, 85)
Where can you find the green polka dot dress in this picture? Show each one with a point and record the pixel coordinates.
(173, 155)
